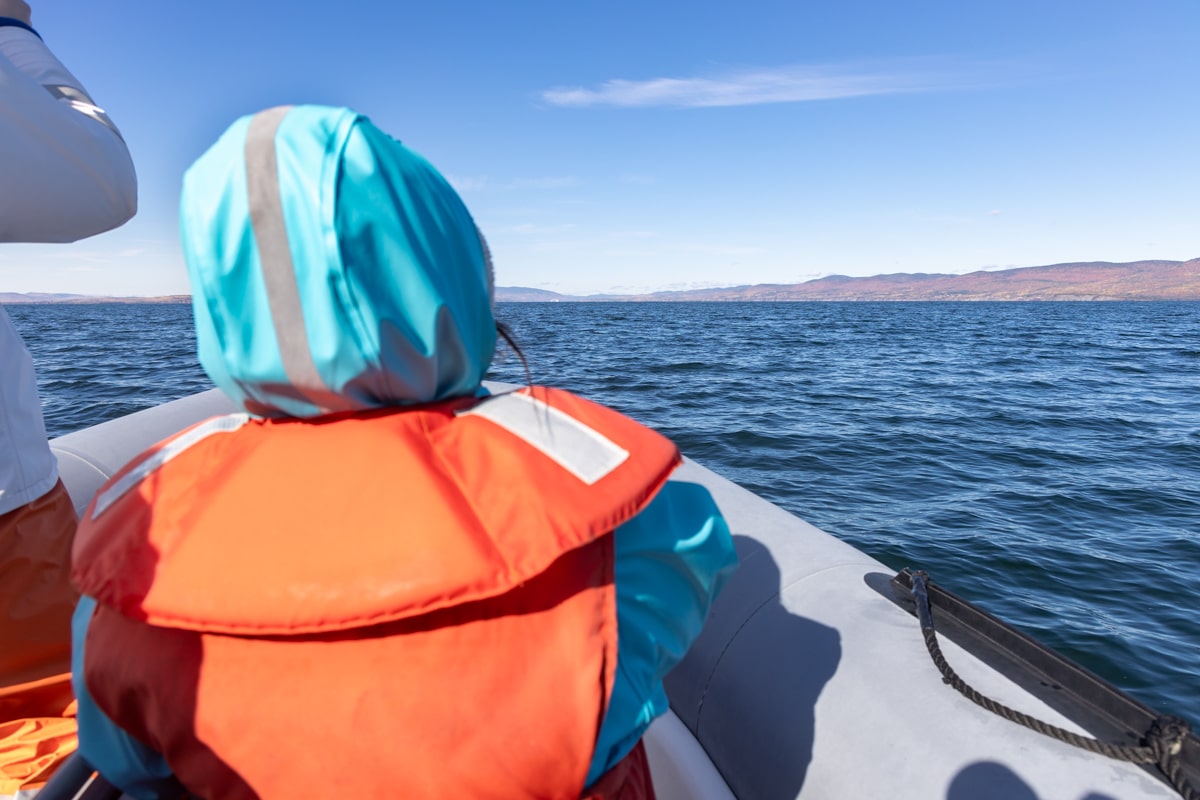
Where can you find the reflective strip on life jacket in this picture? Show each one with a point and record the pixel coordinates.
(581, 450)
(115, 490)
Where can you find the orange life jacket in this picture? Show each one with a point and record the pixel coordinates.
(412, 603)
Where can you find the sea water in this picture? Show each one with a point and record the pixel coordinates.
(1039, 459)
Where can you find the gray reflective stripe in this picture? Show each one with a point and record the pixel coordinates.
(585, 453)
(79, 100)
(62, 91)
(225, 424)
(80, 794)
(29, 794)
(275, 255)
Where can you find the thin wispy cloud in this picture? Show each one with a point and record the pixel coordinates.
(545, 183)
(483, 183)
(943, 219)
(532, 229)
(720, 249)
(677, 286)
(467, 183)
(789, 84)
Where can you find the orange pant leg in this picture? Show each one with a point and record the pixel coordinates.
(628, 779)
(37, 725)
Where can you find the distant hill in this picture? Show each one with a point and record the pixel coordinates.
(522, 294)
(1093, 280)
(42, 297)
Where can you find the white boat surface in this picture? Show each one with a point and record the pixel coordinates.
(810, 680)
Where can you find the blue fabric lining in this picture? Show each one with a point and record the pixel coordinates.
(11, 22)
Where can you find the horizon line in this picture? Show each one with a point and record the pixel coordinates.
(181, 297)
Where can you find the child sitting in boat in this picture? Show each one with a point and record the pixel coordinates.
(381, 580)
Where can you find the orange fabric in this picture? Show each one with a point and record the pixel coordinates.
(427, 609)
(37, 708)
(37, 598)
(32, 748)
(496, 699)
(443, 509)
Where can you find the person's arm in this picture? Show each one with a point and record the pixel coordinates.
(65, 172)
(670, 562)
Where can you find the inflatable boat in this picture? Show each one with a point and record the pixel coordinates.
(818, 675)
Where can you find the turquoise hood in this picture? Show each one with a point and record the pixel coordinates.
(332, 268)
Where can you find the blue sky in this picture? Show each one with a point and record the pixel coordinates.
(634, 146)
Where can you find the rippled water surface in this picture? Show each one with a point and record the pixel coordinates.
(1040, 459)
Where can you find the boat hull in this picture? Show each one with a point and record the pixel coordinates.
(810, 679)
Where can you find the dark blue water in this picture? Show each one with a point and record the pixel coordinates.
(99, 362)
(1040, 459)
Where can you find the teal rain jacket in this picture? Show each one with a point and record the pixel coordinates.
(335, 269)
(332, 268)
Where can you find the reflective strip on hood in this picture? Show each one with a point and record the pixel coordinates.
(275, 257)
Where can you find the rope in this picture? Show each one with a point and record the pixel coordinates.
(1162, 742)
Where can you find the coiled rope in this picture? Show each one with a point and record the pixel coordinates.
(1162, 743)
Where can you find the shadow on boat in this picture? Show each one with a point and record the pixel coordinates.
(990, 779)
(769, 681)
